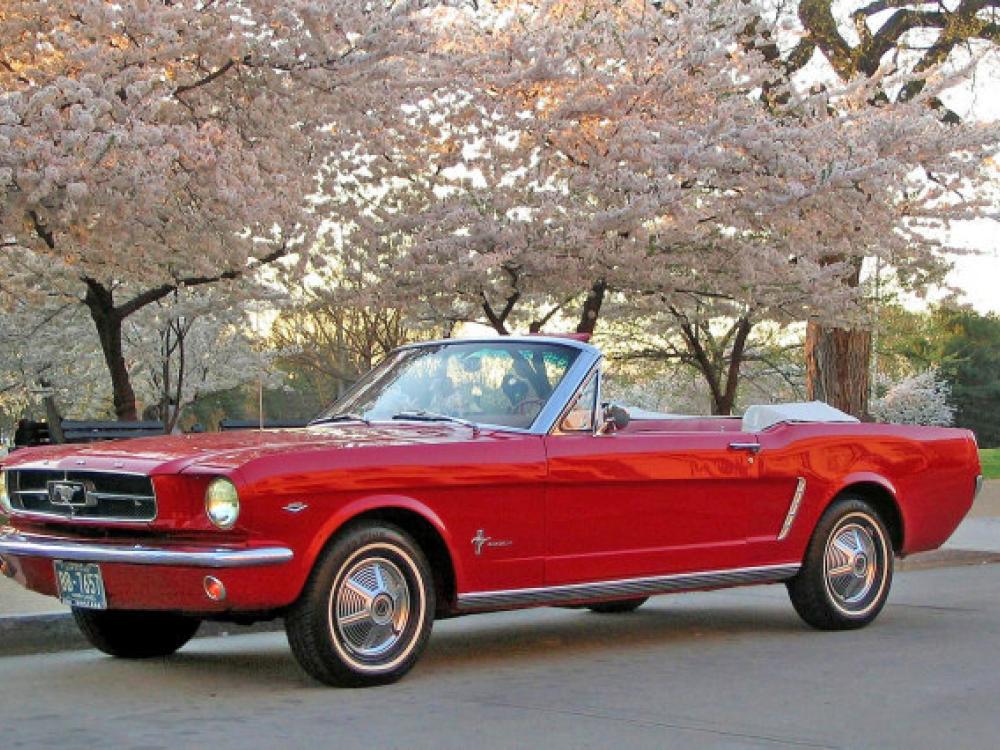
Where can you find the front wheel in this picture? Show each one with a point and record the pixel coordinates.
(130, 634)
(844, 581)
(367, 610)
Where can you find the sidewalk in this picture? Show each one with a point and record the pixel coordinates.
(15, 600)
(981, 529)
(30, 622)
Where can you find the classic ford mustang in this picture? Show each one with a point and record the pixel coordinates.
(467, 476)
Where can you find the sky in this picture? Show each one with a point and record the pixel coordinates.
(978, 276)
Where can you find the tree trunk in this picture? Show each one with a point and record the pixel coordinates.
(837, 362)
(108, 321)
(592, 307)
(724, 406)
(713, 363)
(53, 416)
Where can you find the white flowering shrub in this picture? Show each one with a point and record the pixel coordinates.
(918, 399)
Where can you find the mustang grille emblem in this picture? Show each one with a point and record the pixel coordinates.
(70, 494)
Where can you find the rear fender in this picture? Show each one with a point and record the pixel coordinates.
(852, 481)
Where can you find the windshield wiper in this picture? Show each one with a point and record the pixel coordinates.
(341, 418)
(430, 416)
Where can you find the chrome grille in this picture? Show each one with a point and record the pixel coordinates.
(105, 496)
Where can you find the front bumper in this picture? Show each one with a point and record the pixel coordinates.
(17, 543)
(159, 577)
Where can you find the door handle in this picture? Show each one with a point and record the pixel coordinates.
(752, 447)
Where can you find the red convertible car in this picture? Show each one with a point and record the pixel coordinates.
(469, 476)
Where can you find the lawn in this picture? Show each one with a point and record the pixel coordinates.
(990, 459)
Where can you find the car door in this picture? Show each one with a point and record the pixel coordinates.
(637, 503)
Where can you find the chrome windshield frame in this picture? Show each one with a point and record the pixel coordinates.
(587, 358)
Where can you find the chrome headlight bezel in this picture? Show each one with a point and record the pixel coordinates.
(222, 503)
(5, 505)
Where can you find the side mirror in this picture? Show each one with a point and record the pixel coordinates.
(614, 418)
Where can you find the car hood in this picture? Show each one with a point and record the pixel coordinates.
(228, 450)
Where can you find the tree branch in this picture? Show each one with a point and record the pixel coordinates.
(41, 230)
(159, 292)
(218, 72)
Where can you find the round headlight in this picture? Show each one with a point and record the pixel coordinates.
(222, 503)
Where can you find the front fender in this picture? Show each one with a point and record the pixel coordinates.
(348, 512)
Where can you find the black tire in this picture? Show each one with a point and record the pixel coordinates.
(371, 585)
(850, 538)
(618, 607)
(131, 634)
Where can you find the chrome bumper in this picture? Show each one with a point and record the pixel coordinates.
(13, 542)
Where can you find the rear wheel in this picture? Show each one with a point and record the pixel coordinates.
(618, 607)
(131, 634)
(845, 579)
(367, 610)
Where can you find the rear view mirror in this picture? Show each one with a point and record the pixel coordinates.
(615, 418)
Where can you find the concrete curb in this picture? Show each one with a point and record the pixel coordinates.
(947, 558)
(57, 631)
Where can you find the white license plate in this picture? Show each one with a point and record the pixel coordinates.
(80, 585)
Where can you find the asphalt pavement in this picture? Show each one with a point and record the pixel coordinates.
(726, 669)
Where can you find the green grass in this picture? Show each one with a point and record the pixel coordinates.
(990, 459)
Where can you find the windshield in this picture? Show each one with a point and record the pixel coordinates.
(503, 384)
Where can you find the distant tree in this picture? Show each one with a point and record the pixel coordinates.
(962, 345)
(970, 356)
(340, 324)
(189, 345)
(729, 356)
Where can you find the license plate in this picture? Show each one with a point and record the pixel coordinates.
(80, 585)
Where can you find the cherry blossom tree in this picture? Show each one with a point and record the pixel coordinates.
(597, 149)
(154, 146)
(49, 360)
(524, 163)
(845, 41)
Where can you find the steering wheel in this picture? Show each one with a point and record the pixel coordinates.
(524, 406)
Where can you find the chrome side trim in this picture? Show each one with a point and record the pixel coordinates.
(579, 592)
(793, 508)
(13, 542)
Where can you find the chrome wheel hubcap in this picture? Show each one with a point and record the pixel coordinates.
(852, 564)
(372, 607)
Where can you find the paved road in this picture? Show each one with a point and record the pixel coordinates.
(732, 669)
